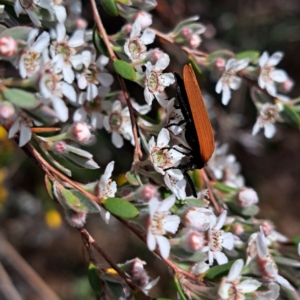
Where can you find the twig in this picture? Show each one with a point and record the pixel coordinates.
(211, 194)
(89, 239)
(121, 80)
(6, 286)
(8, 253)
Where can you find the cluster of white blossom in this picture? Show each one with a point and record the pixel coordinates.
(72, 84)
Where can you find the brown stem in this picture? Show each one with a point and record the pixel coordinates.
(211, 194)
(89, 239)
(112, 55)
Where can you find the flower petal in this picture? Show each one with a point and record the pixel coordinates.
(151, 242)
(148, 36)
(164, 246)
(235, 269)
(105, 79)
(77, 39)
(275, 58)
(162, 62)
(25, 135)
(117, 139)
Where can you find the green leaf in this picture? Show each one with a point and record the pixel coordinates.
(195, 66)
(124, 69)
(121, 208)
(188, 256)
(99, 43)
(296, 239)
(17, 32)
(125, 2)
(91, 206)
(219, 54)
(250, 211)
(289, 115)
(94, 279)
(49, 187)
(80, 161)
(19, 97)
(132, 179)
(195, 202)
(218, 271)
(225, 188)
(286, 261)
(252, 55)
(2, 28)
(110, 7)
(72, 201)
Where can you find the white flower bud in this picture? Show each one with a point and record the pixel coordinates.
(59, 147)
(199, 218)
(7, 112)
(247, 197)
(81, 132)
(81, 23)
(154, 55)
(8, 46)
(194, 41)
(75, 219)
(220, 63)
(193, 241)
(238, 229)
(144, 18)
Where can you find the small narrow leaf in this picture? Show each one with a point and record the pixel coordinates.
(49, 186)
(124, 69)
(132, 179)
(225, 188)
(91, 205)
(219, 54)
(71, 201)
(19, 97)
(121, 208)
(17, 32)
(94, 279)
(79, 151)
(195, 202)
(110, 7)
(99, 43)
(219, 271)
(252, 55)
(250, 211)
(195, 66)
(289, 115)
(80, 161)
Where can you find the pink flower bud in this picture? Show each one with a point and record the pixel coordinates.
(194, 41)
(287, 85)
(220, 63)
(75, 219)
(148, 192)
(81, 132)
(267, 227)
(238, 229)
(194, 241)
(154, 55)
(144, 18)
(59, 147)
(247, 197)
(127, 28)
(7, 112)
(81, 23)
(8, 46)
(186, 32)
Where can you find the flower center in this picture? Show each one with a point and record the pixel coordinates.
(91, 74)
(31, 61)
(136, 48)
(115, 121)
(157, 223)
(215, 240)
(265, 73)
(64, 49)
(153, 82)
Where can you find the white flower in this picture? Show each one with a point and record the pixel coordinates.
(55, 7)
(93, 74)
(135, 46)
(176, 184)
(268, 74)
(199, 218)
(247, 197)
(118, 122)
(161, 222)
(91, 111)
(200, 268)
(53, 88)
(163, 157)
(155, 81)
(30, 60)
(266, 263)
(63, 52)
(218, 239)
(268, 115)
(29, 7)
(144, 18)
(106, 188)
(21, 125)
(232, 287)
(229, 80)
(175, 117)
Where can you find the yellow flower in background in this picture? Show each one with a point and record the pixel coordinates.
(121, 179)
(3, 134)
(53, 219)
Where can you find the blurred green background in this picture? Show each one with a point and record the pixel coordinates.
(36, 227)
